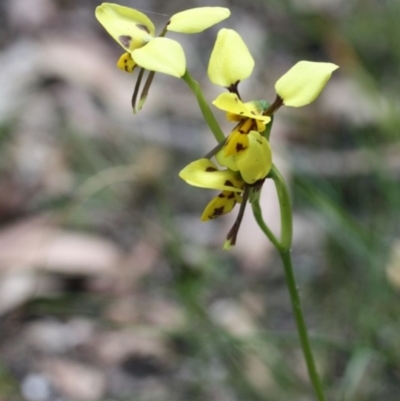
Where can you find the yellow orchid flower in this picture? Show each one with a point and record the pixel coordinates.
(303, 83)
(204, 173)
(135, 33)
(245, 138)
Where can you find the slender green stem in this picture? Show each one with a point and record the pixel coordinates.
(206, 111)
(284, 248)
(301, 324)
(285, 208)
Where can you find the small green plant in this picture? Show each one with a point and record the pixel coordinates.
(243, 158)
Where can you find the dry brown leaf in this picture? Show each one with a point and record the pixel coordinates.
(34, 243)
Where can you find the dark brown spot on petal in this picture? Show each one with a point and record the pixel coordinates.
(241, 112)
(218, 211)
(242, 132)
(221, 195)
(143, 28)
(252, 112)
(125, 40)
(210, 169)
(231, 195)
(228, 183)
(239, 147)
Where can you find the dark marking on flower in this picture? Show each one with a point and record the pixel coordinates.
(218, 211)
(231, 195)
(241, 112)
(210, 169)
(252, 112)
(125, 40)
(143, 28)
(259, 141)
(239, 147)
(221, 195)
(228, 183)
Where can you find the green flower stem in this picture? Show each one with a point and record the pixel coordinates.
(285, 208)
(207, 113)
(284, 248)
(301, 324)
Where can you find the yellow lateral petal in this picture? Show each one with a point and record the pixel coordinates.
(230, 59)
(304, 82)
(255, 163)
(221, 204)
(162, 55)
(126, 63)
(226, 161)
(204, 173)
(197, 19)
(129, 27)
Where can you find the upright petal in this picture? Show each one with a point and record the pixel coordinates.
(197, 19)
(256, 161)
(161, 55)
(204, 173)
(303, 83)
(230, 59)
(129, 27)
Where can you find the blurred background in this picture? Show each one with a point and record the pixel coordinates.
(110, 286)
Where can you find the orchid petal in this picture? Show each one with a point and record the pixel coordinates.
(230, 59)
(303, 83)
(161, 55)
(204, 173)
(197, 19)
(126, 63)
(231, 103)
(130, 28)
(256, 161)
(221, 204)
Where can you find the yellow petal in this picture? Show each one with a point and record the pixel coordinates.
(226, 161)
(204, 173)
(197, 19)
(230, 59)
(256, 161)
(126, 63)
(237, 141)
(162, 55)
(304, 82)
(221, 204)
(231, 103)
(129, 27)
